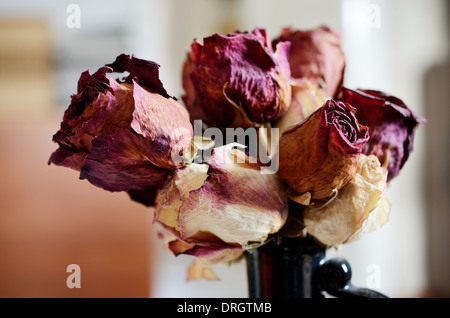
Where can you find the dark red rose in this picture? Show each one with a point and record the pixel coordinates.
(123, 135)
(237, 80)
(391, 126)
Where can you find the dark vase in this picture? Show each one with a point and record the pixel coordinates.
(296, 268)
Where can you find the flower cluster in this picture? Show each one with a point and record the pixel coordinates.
(338, 148)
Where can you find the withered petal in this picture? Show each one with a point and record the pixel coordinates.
(391, 125)
(359, 207)
(67, 157)
(306, 99)
(165, 124)
(229, 209)
(120, 162)
(210, 204)
(146, 71)
(205, 256)
(240, 67)
(317, 56)
(320, 154)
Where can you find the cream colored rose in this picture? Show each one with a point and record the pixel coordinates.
(360, 206)
(218, 209)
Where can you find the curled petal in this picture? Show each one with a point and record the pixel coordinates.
(391, 124)
(165, 124)
(199, 269)
(146, 71)
(205, 257)
(67, 157)
(101, 106)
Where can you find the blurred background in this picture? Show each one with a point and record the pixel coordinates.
(49, 219)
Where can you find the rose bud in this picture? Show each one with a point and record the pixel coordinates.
(391, 125)
(237, 80)
(306, 99)
(320, 154)
(224, 205)
(124, 135)
(317, 56)
(360, 207)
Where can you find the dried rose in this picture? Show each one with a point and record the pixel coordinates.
(306, 99)
(237, 80)
(224, 205)
(124, 135)
(317, 56)
(391, 125)
(320, 154)
(360, 207)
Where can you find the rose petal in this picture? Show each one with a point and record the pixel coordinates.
(306, 99)
(225, 202)
(375, 220)
(212, 206)
(200, 268)
(335, 223)
(391, 124)
(120, 162)
(359, 207)
(100, 106)
(146, 71)
(165, 123)
(237, 80)
(170, 198)
(317, 56)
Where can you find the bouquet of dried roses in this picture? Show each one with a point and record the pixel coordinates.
(293, 133)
